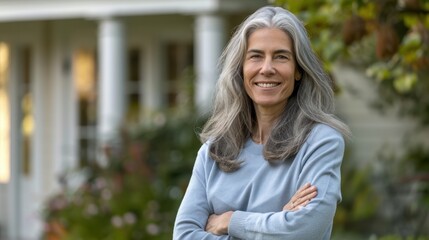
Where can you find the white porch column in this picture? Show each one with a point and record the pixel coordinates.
(152, 82)
(209, 43)
(112, 76)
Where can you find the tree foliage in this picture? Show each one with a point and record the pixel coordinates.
(388, 38)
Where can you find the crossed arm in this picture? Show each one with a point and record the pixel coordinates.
(218, 224)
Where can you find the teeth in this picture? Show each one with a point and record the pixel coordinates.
(267, 85)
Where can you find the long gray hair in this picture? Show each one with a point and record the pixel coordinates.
(233, 115)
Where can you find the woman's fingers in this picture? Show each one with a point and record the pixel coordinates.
(301, 198)
(306, 194)
(301, 191)
(305, 186)
(305, 197)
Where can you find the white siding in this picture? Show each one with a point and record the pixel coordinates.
(374, 132)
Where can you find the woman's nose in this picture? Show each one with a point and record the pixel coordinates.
(267, 67)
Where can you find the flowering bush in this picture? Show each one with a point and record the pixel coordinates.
(136, 196)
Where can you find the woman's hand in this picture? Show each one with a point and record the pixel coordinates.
(218, 224)
(301, 198)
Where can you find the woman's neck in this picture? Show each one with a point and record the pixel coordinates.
(265, 122)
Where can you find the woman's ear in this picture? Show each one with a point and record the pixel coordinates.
(298, 75)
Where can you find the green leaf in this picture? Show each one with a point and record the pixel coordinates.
(405, 82)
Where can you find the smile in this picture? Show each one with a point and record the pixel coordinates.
(267, 85)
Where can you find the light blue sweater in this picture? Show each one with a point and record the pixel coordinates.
(258, 191)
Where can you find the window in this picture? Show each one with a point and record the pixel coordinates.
(5, 113)
(24, 117)
(84, 77)
(133, 88)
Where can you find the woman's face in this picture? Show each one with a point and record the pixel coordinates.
(269, 68)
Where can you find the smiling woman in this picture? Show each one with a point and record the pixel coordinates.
(269, 166)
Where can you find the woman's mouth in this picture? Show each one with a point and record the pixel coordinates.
(267, 85)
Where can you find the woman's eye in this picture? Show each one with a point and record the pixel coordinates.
(255, 56)
(283, 57)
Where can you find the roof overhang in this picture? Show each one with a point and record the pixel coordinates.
(30, 10)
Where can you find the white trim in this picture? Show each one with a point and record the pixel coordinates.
(40, 93)
(14, 186)
(44, 10)
(64, 108)
(26, 10)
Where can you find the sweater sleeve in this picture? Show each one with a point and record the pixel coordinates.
(320, 165)
(194, 210)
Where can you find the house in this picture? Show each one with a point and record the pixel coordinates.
(72, 71)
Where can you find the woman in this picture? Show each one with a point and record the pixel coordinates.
(270, 142)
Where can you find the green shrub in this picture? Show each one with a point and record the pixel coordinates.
(137, 195)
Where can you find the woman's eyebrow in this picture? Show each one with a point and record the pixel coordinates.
(254, 51)
(282, 51)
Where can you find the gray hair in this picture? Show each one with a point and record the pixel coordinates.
(233, 115)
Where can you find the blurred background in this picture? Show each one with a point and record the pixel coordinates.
(101, 102)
